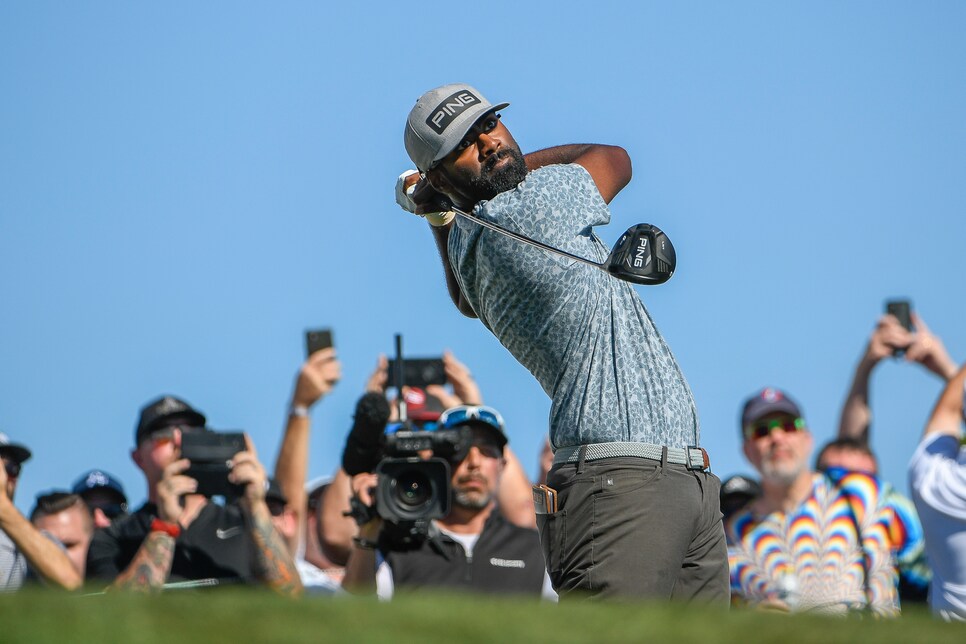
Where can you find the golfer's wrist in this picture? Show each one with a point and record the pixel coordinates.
(439, 219)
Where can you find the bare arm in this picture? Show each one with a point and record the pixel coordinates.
(947, 417)
(610, 166)
(317, 377)
(441, 236)
(273, 560)
(44, 556)
(151, 565)
(274, 564)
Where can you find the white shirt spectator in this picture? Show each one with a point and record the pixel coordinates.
(937, 477)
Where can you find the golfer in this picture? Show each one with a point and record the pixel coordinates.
(637, 511)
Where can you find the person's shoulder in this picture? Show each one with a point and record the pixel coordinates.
(132, 524)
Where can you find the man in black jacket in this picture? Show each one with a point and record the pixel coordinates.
(473, 547)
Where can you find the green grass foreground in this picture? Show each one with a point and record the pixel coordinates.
(239, 615)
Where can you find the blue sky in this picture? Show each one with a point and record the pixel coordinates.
(186, 187)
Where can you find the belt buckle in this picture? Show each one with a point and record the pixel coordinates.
(700, 464)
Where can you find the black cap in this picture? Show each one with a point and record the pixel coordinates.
(164, 412)
(14, 451)
(94, 480)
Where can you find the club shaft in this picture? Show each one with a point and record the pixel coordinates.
(521, 238)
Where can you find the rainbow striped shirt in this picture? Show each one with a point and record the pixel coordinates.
(836, 552)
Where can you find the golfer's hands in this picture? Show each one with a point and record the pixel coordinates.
(415, 194)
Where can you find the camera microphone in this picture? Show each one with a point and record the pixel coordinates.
(364, 445)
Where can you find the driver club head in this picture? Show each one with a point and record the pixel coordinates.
(643, 255)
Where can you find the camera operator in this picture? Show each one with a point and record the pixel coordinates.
(473, 547)
(373, 411)
(180, 535)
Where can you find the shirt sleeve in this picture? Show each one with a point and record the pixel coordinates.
(937, 476)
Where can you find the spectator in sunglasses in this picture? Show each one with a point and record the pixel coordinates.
(25, 552)
(104, 495)
(811, 541)
(474, 547)
(180, 535)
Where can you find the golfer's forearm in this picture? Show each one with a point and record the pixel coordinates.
(557, 154)
(441, 235)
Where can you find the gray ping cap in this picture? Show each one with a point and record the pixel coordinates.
(440, 120)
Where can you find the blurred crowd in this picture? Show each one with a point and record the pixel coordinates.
(818, 533)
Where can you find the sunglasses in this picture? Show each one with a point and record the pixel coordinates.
(12, 468)
(764, 428)
(460, 415)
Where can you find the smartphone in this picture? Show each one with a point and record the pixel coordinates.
(419, 372)
(316, 340)
(210, 454)
(902, 310)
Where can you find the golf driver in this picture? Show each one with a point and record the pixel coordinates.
(643, 254)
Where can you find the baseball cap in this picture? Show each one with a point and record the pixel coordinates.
(99, 480)
(422, 407)
(767, 401)
(475, 416)
(14, 451)
(164, 412)
(440, 120)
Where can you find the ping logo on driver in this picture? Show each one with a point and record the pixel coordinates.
(639, 255)
(451, 107)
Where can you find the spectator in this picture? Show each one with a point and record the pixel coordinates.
(852, 450)
(363, 448)
(810, 542)
(937, 476)
(314, 554)
(104, 495)
(315, 380)
(285, 519)
(473, 547)
(736, 493)
(179, 535)
(67, 518)
(25, 552)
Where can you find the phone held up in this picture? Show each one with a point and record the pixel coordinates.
(902, 311)
(418, 372)
(316, 340)
(210, 454)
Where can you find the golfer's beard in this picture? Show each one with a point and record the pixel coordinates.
(491, 182)
(471, 500)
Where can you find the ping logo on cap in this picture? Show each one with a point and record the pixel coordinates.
(451, 107)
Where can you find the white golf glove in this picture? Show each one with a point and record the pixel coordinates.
(405, 201)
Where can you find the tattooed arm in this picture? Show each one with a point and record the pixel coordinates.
(149, 569)
(151, 565)
(274, 564)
